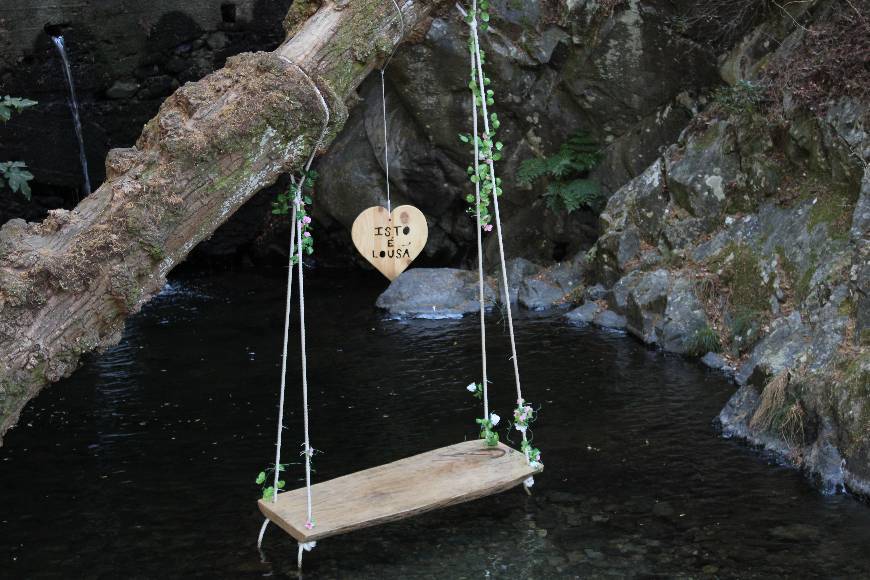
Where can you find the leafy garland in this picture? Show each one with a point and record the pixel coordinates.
(524, 416)
(488, 146)
(284, 202)
(269, 492)
(489, 150)
(487, 424)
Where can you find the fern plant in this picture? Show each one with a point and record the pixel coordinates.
(14, 173)
(566, 171)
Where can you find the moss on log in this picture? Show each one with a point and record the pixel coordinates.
(67, 284)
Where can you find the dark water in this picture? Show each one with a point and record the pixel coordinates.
(142, 464)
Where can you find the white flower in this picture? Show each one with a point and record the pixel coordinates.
(529, 482)
(494, 419)
(520, 428)
(471, 388)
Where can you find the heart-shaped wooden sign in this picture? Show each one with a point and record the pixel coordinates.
(390, 243)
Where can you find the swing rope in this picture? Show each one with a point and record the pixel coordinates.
(477, 71)
(480, 257)
(309, 523)
(384, 106)
(296, 240)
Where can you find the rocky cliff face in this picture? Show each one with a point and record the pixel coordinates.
(737, 228)
(747, 242)
(620, 74)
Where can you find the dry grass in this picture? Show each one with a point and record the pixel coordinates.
(830, 62)
(720, 23)
(772, 400)
(791, 425)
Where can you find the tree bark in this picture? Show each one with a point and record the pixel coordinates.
(67, 284)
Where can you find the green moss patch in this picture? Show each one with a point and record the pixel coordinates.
(835, 210)
(742, 275)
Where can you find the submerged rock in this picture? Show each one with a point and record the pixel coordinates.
(435, 293)
(715, 361)
(584, 314)
(609, 319)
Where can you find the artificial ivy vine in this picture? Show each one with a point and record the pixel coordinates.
(487, 150)
(487, 146)
(268, 492)
(284, 203)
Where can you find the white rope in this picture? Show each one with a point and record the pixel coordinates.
(480, 258)
(284, 360)
(307, 449)
(325, 119)
(477, 62)
(295, 239)
(384, 107)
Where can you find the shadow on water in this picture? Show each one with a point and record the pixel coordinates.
(142, 464)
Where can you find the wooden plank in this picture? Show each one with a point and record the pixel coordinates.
(390, 242)
(401, 489)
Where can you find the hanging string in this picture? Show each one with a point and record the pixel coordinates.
(384, 107)
(477, 63)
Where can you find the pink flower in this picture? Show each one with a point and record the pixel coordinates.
(306, 220)
(487, 228)
(309, 525)
(307, 234)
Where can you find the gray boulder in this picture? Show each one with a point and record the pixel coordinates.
(518, 270)
(787, 341)
(684, 317)
(646, 305)
(609, 319)
(553, 287)
(699, 180)
(434, 293)
(584, 314)
(715, 361)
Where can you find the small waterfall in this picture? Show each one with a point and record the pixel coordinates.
(74, 108)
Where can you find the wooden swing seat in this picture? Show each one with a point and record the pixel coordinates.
(398, 490)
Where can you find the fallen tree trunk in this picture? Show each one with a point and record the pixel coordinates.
(67, 284)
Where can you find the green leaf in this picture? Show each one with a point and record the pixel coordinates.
(8, 105)
(261, 477)
(572, 195)
(464, 138)
(531, 170)
(16, 176)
